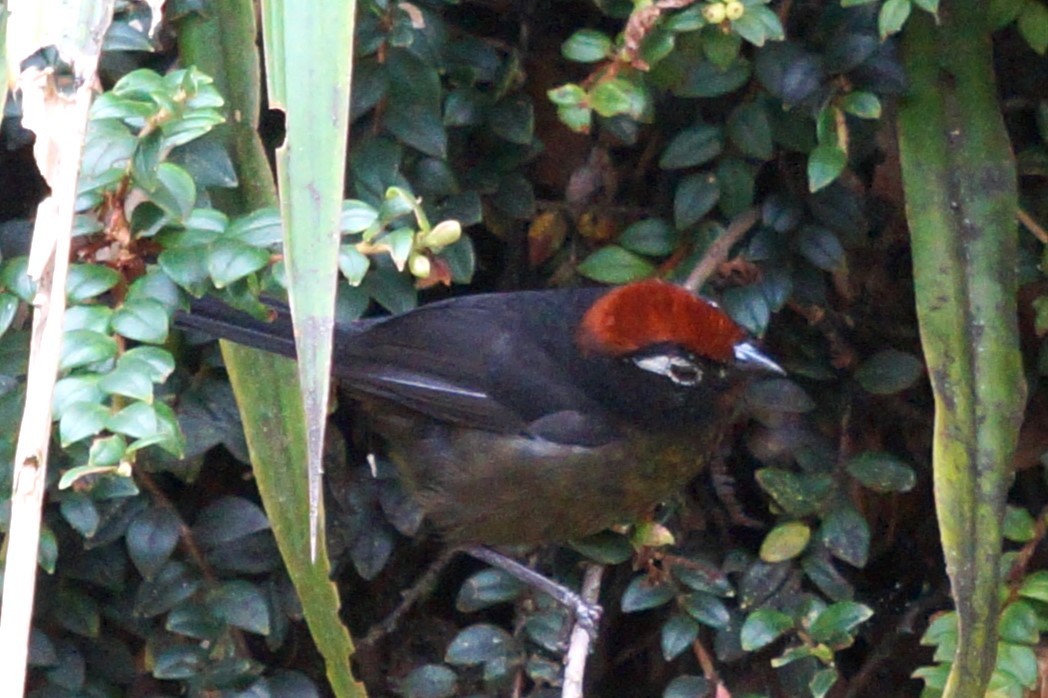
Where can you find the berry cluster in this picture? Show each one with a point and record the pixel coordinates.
(717, 12)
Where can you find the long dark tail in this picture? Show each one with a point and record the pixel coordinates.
(213, 317)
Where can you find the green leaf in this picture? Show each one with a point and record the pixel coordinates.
(798, 495)
(652, 236)
(414, 113)
(429, 681)
(174, 192)
(1004, 12)
(892, 16)
(785, 542)
(157, 363)
(835, 624)
(642, 594)
(750, 28)
(750, 130)
(138, 420)
(687, 687)
(353, 264)
(614, 265)
(187, 267)
(80, 511)
(8, 308)
(826, 163)
(846, 535)
(864, 105)
(773, 30)
(722, 49)
(486, 588)
(619, 96)
(143, 320)
(151, 538)
(889, 371)
(736, 180)
(678, 632)
(696, 196)
(822, 681)
(230, 260)
(514, 120)
(1019, 623)
(763, 627)
(1019, 663)
(821, 247)
(586, 46)
(569, 95)
(1033, 26)
(83, 347)
(242, 605)
(128, 380)
(478, 644)
(74, 389)
(262, 228)
(107, 451)
(707, 609)
(779, 395)
(692, 146)
(87, 281)
(606, 547)
(174, 583)
(1019, 525)
(228, 519)
(81, 420)
(1035, 586)
(881, 472)
(357, 216)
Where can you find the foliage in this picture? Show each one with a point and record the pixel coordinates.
(694, 114)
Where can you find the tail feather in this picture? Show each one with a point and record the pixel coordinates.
(213, 317)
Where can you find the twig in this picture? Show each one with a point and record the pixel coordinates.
(581, 639)
(1033, 226)
(718, 252)
(422, 588)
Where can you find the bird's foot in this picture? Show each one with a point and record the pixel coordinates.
(587, 614)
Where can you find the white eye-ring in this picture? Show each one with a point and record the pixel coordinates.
(676, 368)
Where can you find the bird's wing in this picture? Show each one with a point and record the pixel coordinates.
(477, 362)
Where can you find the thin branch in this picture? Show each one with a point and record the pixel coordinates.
(718, 252)
(1033, 226)
(581, 639)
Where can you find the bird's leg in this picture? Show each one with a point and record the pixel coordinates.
(587, 614)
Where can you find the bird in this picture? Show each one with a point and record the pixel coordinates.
(537, 416)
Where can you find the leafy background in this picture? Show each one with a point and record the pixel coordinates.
(572, 142)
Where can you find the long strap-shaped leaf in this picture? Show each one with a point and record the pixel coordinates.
(960, 182)
(222, 43)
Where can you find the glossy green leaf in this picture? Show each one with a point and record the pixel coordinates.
(1033, 26)
(785, 542)
(151, 538)
(478, 644)
(81, 420)
(1035, 586)
(750, 130)
(241, 604)
(889, 371)
(846, 535)
(692, 146)
(687, 687)
(173, 583)
(586, 46)
(143, 320)
(79, 510)
(707, 609)
(1019, 525)
(696, 196)
(825, 164)
(614, 265)
(892, 16)
(86, 281)
(1019, 623)
(835, 624)
(230, 261)
(83, 347)
(799, 495)
(429, 681)
(677, 634)
(864, 105)
(821, 247)
(881, 472)
(641, 594)
(763, 627)
(651, 236)
(487, 588)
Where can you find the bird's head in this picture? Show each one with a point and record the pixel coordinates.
(670, 349)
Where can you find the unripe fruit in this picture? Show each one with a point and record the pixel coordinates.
(734, 9)
(419, 265)
(714, 12)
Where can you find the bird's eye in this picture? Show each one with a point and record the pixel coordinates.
(677, 369)
(685, 373)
